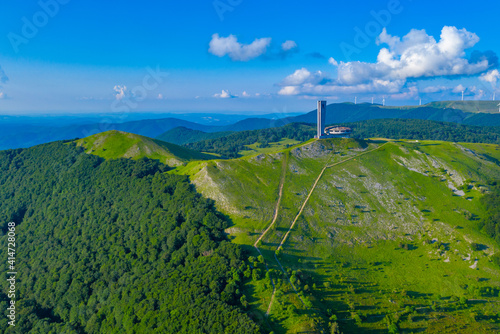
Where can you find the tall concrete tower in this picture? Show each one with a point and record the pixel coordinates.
(321, 118)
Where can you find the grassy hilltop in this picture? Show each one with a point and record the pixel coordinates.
(118, 144)
(490, 107)
(389, 236)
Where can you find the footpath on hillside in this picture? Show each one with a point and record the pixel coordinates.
(276, 213)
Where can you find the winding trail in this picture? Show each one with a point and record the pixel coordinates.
(314, 187)
(276, 210)
(304, 205)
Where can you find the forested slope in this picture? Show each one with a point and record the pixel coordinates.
(114, 246)
(230, 145)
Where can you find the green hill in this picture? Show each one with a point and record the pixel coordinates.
(181, 135)
(117, 144)
(490, 107)
(364, 234)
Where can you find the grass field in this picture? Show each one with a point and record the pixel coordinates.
(386, 238)
(117, 144)
(273, 147)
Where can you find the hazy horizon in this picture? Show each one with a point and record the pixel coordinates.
(63, 56)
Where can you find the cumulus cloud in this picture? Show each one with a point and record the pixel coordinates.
(333, 62)
(288, 45)
(222, 46)
(414, 56)
(492, 77)
(476, 93)
(2, 95)
(225, 94)
(290, 91)
(121, 92)
(417, 55)
(303, 77)
(288, 48)
(458, 89)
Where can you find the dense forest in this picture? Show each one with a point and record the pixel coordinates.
(114, 246)
(182, 135)
(229, 146)
(425, 130)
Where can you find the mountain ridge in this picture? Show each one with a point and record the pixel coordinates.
(18, 136)
(116, 144)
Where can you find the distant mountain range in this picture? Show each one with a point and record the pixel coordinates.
(17, 134)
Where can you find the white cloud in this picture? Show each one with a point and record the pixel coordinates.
(376, 86)
(303, 76)
(492, 77)
(289, 90)
(434, 89)
(2, 95)
(121, 91)
(160, 97)
(417, 55)
(245, 94)
(288, 45)
(225, 94)
(222, 46)
(476, 93)
(459, 89)
(333, 62)
(414, 56)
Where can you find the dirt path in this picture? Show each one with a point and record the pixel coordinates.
(302, 209)
(314, 187)
(275, 217)
(282, 182)
(276, 212)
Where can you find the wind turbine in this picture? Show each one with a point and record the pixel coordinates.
(355, 100)
(463, 95)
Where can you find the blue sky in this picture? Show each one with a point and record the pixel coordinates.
(242, 56)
